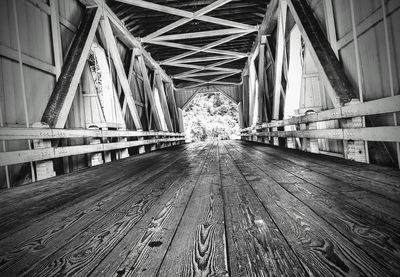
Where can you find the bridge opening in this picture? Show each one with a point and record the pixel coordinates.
(211, 116)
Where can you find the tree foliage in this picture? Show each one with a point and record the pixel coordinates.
(211, 116)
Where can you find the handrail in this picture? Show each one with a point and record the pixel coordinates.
(22, 156)
(10, 133)
(379, 106)
(385, 133)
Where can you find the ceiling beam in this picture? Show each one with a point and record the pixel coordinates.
(196, 49)
(208, 73)
(213, 33)
(208, 46)
(201, 68)
(188, 16)
(203, 59)
(213, 66)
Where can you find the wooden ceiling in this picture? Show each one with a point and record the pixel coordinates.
(196, 42)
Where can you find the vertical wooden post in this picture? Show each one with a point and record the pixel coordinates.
(44, 168)
(141, 149)
(21, 71)
(280, 44)
(275, 139)
(94, 158)
(8, 184)
(106, 154)
(245, 91)
(56, 36)
(389, 60)
(252, 92)
(181, 125)
(261, 80)
(240, 109)
(355, 121)
(354, 150)
(123, 153)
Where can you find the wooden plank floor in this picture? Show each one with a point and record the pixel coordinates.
(225, 208)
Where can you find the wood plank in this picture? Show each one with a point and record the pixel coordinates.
(378, 238)
(326, 174)
(372, 201)
(142, 250)
(320, 247)
(39, 198)
(198, 246)
(255, 244)
(125, 208)
(348, 219)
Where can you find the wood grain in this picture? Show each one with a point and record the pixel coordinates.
(255, 245)
(198, 246)
(141, 251)
(50, 234)
(322, 249)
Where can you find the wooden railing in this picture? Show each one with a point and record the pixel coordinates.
(48, 153)
(349, 116)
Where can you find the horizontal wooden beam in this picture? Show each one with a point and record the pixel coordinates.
(386, 133)
(24, 156)
(14, 133)
(27, 60)
(379, 106)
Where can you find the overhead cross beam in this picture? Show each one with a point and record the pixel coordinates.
(188, 16)
(237, 30)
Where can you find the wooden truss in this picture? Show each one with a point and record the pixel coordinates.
(158, 104)
(235, 31)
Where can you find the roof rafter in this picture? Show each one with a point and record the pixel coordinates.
(188, 16)
(213, 66)
(203, 59)
(209, 46)
(213, 33)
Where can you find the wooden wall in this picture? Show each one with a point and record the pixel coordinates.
(38, 49)
(371, 47)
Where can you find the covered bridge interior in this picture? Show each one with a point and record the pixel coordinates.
(96, 178)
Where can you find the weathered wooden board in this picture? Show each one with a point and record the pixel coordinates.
(350, 220)
(142, 250)
(381, 197)
(208, 209)
(320, 247)
(84, 251)
(41, 198)
(198, 246)
(255, 244)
